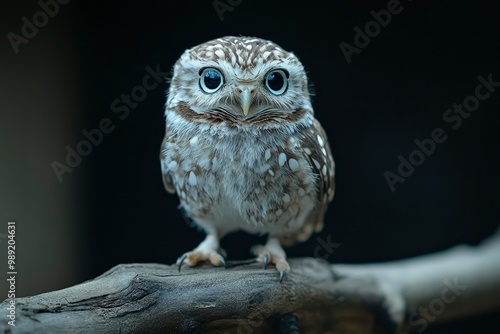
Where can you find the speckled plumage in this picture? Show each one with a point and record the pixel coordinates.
(243, 157)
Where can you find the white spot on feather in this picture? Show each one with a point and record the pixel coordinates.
(219, 53)
(282, 159)
(192, 178)
(320, 141)
(267, 154)
(286, 198)
(316, 163)
(172, 166)
(294, 164)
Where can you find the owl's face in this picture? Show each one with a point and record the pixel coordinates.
(240, 80)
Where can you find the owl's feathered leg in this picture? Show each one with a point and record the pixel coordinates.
(207, 251)
(272, 252)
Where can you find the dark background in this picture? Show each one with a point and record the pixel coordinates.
(394, 91)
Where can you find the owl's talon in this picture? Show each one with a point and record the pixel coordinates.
(283, 267)
(272, 253)
(180, 261)
(282, 274)
(223, 261)
(265, 259)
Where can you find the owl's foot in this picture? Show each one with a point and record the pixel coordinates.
(272, 252)
(207, 252)
(196, 256)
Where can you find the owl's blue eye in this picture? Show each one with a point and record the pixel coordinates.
(277, 81)
(211, 80)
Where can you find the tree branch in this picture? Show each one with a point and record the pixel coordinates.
(244, 298)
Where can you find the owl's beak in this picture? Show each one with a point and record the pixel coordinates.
(246, 99)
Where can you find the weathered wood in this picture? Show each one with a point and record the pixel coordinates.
(244, 298)
(153, 298)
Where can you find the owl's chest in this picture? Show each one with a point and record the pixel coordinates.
(240, 162)
(258, 177)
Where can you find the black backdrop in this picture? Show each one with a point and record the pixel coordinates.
(394, 91)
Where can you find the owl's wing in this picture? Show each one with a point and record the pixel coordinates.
(317, 152)
(167, 180)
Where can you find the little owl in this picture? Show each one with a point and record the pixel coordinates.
(242, 148)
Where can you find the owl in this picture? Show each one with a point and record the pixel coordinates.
(243, 150)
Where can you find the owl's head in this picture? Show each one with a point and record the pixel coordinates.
(240, 80)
